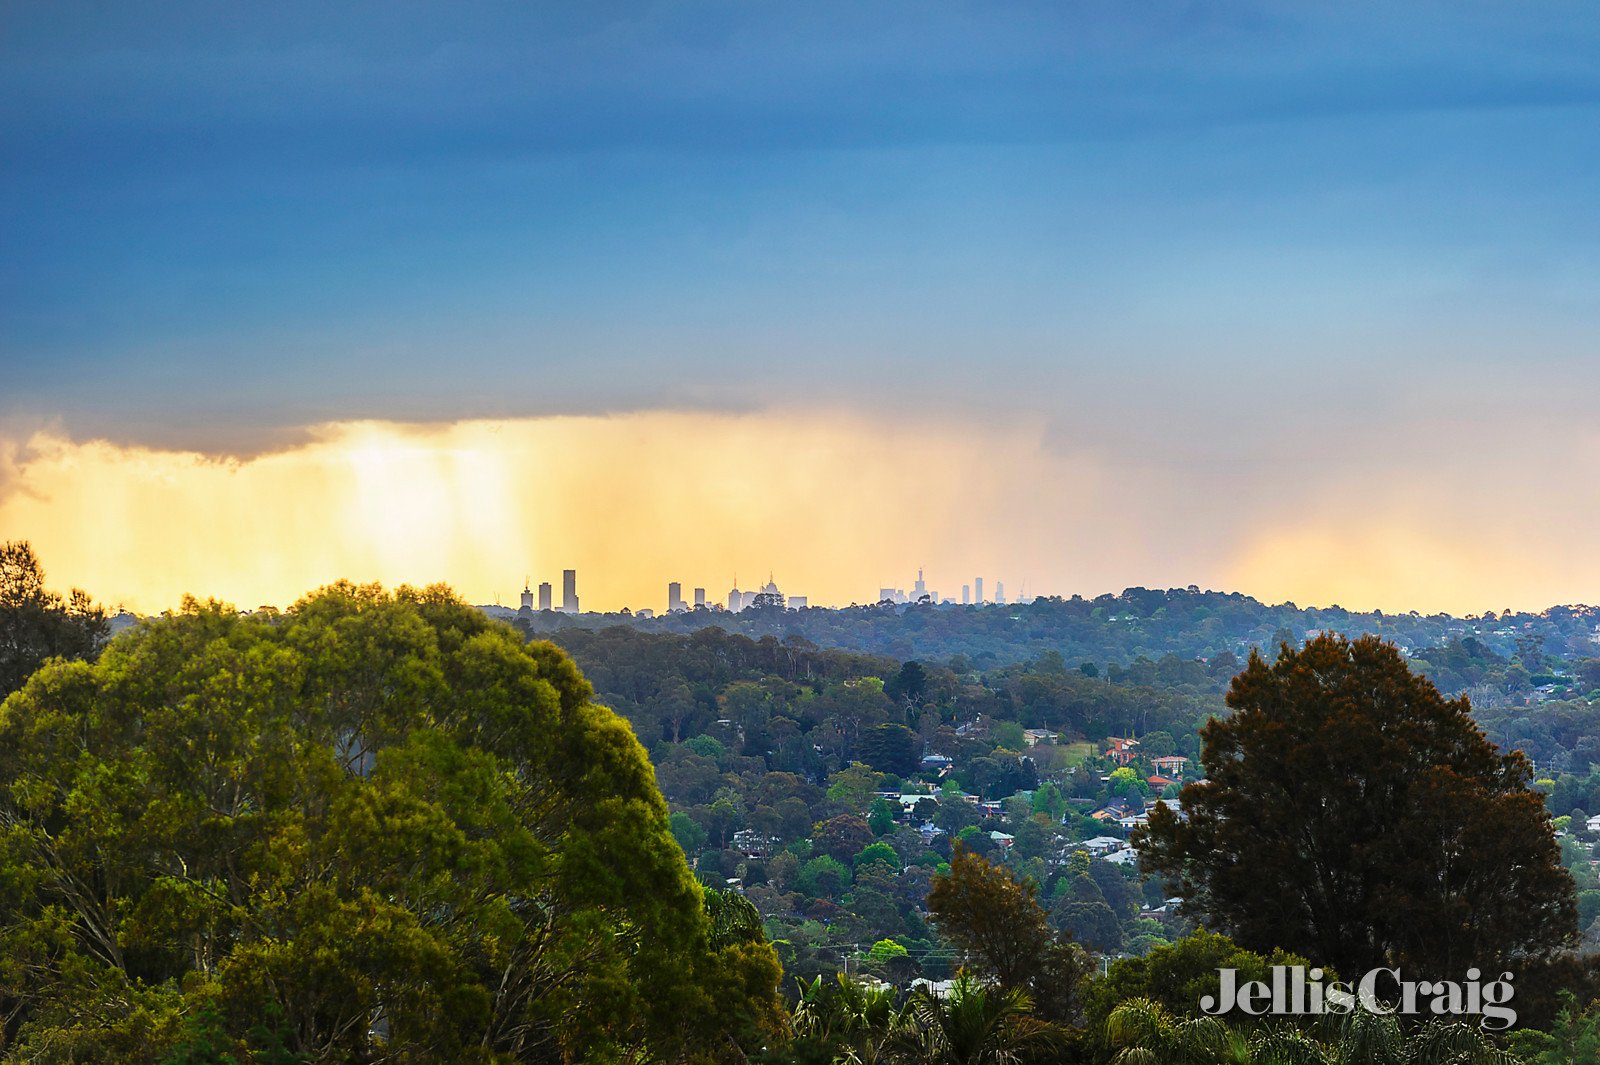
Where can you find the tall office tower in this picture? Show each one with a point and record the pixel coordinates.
(527, 595)
(797, 602)
(699, 598)
(977, 590)
(674, 596)
(545, 597)
(735, 598)
(569, 591)
(1000, 592)
(919, 589)
(966, 595)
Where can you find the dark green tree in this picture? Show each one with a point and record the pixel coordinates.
(824, 876)
(1574, 1037)
(37, 624)
(891, 748)
(1378, 820)
(1588, 674)
(910, 685)
(1083, 913)
(881, 816)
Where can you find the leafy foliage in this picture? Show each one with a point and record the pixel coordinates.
(973, 1024)
(381, 821)
(37, 624)
(996, 920)
(1146, 1033)
(1177, 976)
(1380, 820)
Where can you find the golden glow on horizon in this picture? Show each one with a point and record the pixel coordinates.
(833, 505)
(836, 505)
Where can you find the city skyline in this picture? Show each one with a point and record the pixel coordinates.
(675, 601)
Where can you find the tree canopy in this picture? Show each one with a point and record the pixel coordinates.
(374, 827)
(1006, 935)
(37, 624)
(1353, 815)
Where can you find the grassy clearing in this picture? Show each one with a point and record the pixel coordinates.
(1077, 753)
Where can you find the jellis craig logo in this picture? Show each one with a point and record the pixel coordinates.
(1297, 991)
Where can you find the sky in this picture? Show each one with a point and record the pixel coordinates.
(1300, 300)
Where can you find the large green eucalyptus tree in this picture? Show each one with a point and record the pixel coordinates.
(377, 827)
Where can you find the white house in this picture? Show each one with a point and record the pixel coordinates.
(1103, 845)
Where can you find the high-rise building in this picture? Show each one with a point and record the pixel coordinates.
(675, 597)
(736, 597)
(699, 598)
(527, 595)
(569, 591)
(545, 597)
(966, 595)
(919, 589)
(797, 602)
(977, 590)
(1000, 592)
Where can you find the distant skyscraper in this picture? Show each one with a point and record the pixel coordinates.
(699, 597)
(736, 597)
(797, 602)
(919, 589)
(1000, 592)
(545, 597)
(977, 590)
(675, 596)
(569, 591)
(527, 595)
(966, 595)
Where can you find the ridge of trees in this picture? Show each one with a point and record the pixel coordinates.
(1509, 649)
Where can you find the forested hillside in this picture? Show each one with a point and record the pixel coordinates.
(1503, 655)
(830, 784)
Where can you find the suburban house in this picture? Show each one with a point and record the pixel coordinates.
(1120, 750)
(1102, 845)
(1170, 765)
(1111, 811)
(753, 844)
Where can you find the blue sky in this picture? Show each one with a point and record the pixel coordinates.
(1278, 241)
(255, 215)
